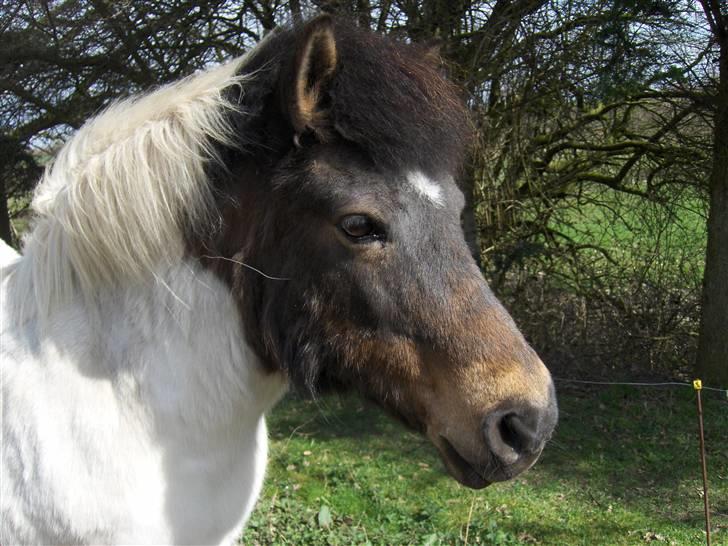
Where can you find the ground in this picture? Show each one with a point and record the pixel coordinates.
(623, 468)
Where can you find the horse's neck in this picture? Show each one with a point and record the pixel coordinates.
(174, 346)
(194, 355)
(149, 401)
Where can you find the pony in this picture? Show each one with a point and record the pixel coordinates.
(290, 218)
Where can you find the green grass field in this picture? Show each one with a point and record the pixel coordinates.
(659, 244)
(623, 468)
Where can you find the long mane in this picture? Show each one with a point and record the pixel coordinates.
(117, 200)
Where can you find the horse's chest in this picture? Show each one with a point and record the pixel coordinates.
(176, 494)
(110, 477)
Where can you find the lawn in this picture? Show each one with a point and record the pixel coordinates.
(623, 468)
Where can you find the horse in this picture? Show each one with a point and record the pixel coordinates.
(288, 219)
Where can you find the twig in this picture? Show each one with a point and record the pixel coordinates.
(470, 516)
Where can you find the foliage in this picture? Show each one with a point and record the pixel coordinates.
(587, 176)
(623, 468)
(614, 289)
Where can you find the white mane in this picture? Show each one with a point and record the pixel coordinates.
(132, 403)
(116, 200)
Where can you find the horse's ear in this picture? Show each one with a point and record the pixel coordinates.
(313, 66)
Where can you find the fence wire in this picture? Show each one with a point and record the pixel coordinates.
(638, 384)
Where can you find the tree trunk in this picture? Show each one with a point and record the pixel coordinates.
(712, 362)
(6, 160)
(6, 232)
(296, 14)
(468, 220)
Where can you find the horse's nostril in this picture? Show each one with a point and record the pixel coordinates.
(517, 434)
(512, 434)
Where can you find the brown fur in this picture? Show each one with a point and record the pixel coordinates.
(333, 122)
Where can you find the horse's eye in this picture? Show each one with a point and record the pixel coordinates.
(360, 228)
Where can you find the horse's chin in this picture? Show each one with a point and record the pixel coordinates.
(458, 467)
(479, 475)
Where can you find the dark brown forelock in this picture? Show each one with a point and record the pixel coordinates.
(391, 99)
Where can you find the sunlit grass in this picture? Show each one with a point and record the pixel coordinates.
(665, 243)
(623, 468)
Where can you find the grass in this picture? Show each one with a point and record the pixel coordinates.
(623, 468)
(664, 243)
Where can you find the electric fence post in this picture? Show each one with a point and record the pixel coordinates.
(698, 386)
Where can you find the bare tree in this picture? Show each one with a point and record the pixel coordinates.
(582, 110)
(62, 61)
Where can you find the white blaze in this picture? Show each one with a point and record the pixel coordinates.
(426, 187)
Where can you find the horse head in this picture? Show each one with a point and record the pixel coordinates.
(341, 241)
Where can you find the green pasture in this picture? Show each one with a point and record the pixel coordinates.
(623, 468)
(622, 234)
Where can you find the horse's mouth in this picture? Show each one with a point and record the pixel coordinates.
(478, 476)
(459, 468)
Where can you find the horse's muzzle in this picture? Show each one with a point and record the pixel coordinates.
(514, 435)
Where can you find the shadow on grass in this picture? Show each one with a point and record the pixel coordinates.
(638, 450)
(616, 448)
(331, 417)
(631, 444)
